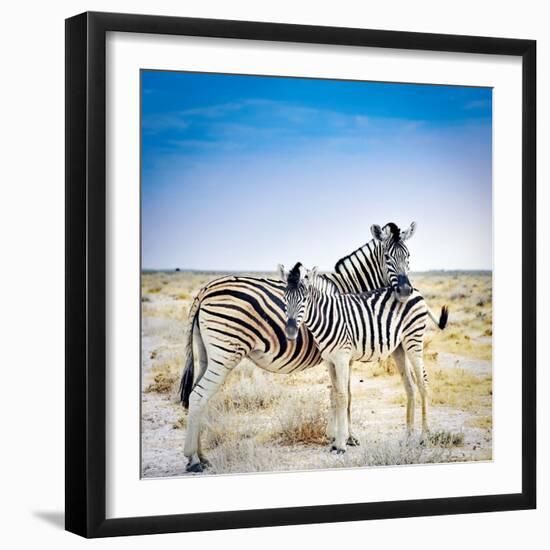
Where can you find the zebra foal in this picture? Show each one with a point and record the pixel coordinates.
(364, 327)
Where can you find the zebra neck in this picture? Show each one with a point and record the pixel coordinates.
(318, 307)
(361, 271)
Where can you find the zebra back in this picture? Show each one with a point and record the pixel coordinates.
(371, 323)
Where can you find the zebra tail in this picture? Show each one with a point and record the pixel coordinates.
(188, 375)
(443, 317)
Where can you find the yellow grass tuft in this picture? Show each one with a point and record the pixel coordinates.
(163, 383)
(180, 423)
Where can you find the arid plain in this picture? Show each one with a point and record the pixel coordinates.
(261, 421)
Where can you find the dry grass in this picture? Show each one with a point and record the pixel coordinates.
(242, 455)
(246, 455)
(165, 374)
(247, 389)
(247, 396)
(303, 420)
(180, 423)
(482, 422)
(260, 421)
(469, 297)
(162, 384)
(398, 452)
(382, 368)
(457, 388)
(460, 389)
(446, 438)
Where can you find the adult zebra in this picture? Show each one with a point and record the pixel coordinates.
(363, 327)
(236, 317)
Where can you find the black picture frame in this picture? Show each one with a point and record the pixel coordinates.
(86, 274)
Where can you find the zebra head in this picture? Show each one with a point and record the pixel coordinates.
(296, 294)
(395, 257)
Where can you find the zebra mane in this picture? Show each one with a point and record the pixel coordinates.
(325, 285)
(293, 278)
(369, 293)
(395, 231)
(374, 292)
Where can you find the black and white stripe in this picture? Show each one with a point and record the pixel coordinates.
(364, 327)
(236, 317)
(384, 261)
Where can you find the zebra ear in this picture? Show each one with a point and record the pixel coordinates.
(282, 273)
(380, 234)
(408, 233)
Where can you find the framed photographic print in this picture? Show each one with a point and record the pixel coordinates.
(300, 274)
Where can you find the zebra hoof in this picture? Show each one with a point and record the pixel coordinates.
(195, 468)
(336, 450)
(352, 441)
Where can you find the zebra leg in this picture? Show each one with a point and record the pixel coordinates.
(341, 369)
(331, 425)
(402, 366)
(204, 389)
(421, 376)
(352, 441)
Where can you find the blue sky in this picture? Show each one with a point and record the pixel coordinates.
(244, 172)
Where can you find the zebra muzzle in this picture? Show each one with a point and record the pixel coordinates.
(291, 329)
(404, 288)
